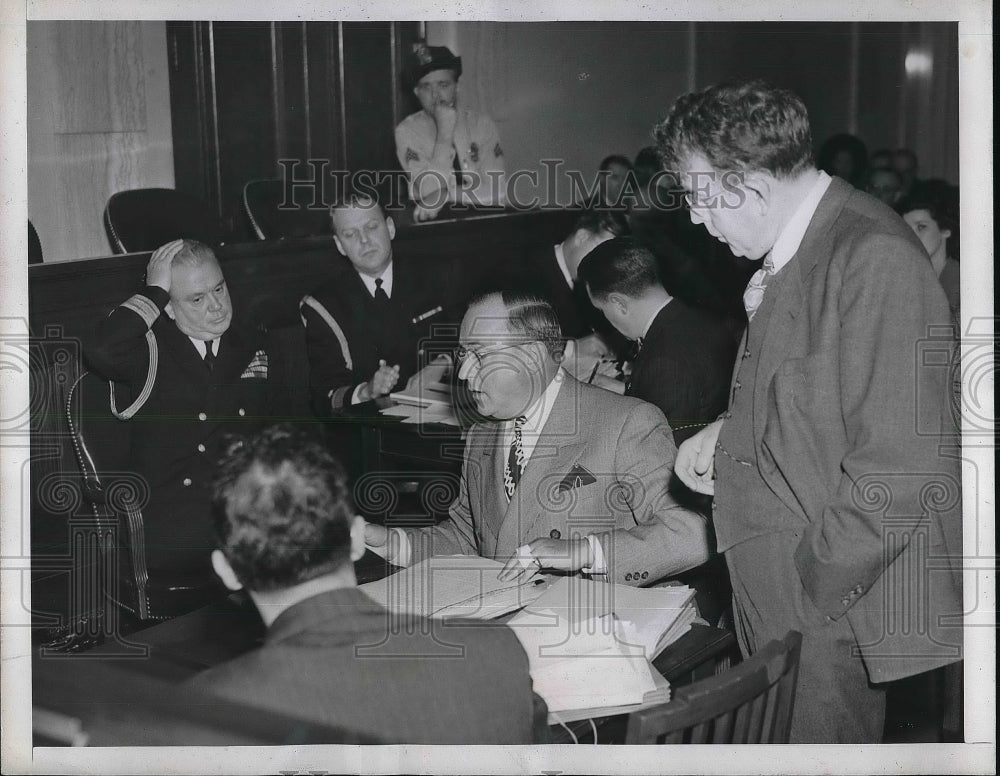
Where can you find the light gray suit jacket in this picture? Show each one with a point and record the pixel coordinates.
(600, 466)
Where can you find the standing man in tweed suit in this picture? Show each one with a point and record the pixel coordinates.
(836, 432)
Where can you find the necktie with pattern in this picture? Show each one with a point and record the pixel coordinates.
(754, 293)
(514, 467)
(209, 355)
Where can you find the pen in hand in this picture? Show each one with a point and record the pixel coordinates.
(593, 372)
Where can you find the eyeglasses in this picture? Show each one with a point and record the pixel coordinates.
(462, 354)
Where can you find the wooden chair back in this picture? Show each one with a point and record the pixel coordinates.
(748, 704)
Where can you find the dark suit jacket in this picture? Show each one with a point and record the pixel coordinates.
(345, 349)
(544, 277)
(179, 432)
(341, 659)
(601, 466)
(853, 431)
(684, 368)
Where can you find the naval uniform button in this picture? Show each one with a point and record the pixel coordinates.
(628, 577)
(201, 448)
(202, 416)
(737, 385)
(554, 534)
(187, 482)
(746, 353)
(645, 574)
(242, 412)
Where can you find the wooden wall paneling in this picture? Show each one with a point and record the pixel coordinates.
(369, 91)
(405, 37)
(292, 103)
(322, 66)
(192, 124)
(244, 68)
(880, 84)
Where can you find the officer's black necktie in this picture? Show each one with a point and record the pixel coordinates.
(209, 355)
(381, 297)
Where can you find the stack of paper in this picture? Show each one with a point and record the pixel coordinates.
(653, 617)
(579, 665)
(454, 586)
(589, 643)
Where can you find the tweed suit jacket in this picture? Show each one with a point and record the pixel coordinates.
(601, 466)
(854, 432)
(340, 659)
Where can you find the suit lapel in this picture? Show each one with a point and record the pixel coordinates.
(787, 316)
(556, 450)
(493, 501)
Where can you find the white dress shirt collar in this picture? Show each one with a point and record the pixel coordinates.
(386, 276)
(790, 237)
(202, 345)
(561, 261)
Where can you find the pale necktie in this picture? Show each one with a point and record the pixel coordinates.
(754, 293)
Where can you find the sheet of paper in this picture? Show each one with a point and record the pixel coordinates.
(453, 586)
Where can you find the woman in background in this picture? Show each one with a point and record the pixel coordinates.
(937, 230)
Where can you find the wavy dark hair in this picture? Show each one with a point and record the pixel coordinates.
(282, 509)
(743, 126)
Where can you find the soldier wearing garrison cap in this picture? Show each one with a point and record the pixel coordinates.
(450, 154)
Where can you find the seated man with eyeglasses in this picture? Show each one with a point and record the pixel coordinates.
(566, 477)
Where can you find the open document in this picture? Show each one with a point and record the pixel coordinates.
(454, 586)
